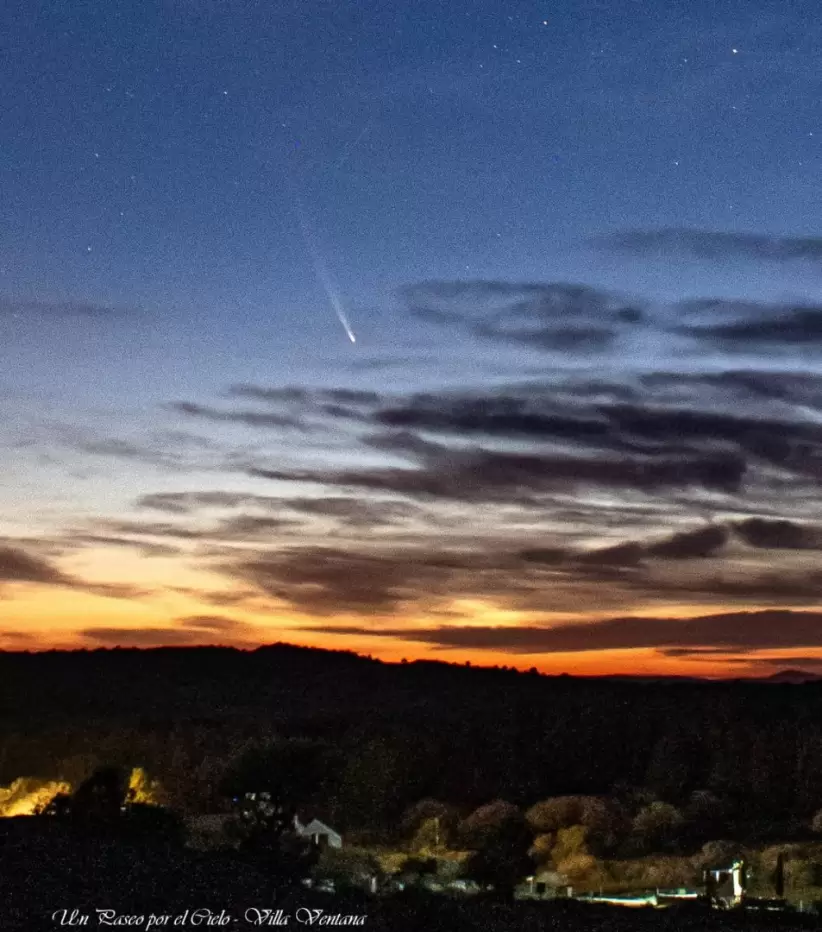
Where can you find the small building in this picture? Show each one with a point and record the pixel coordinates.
(725, 885)
(542, 885)
(321, 835)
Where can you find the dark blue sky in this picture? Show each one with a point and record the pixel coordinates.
(457, 168)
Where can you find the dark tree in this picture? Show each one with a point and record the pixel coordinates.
(501, 859)
(290, 772)
(268, 785)
(101, 798)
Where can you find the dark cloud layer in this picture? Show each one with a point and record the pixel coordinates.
(486, 475)
(773, 534)
(326, 581)
(732, 631)
(458, 482)
(672, 440)
(689, 544)
(555, 316)
(577, 320)
(623, 428)
(594, 486)
(369, 580)
(790, 326)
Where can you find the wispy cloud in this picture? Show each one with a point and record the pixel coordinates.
(712, 244)
(554, 316)
(18, 565)
(248, 418)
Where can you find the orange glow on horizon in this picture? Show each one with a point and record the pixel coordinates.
(41, 618)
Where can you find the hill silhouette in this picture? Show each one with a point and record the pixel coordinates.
(402, 732)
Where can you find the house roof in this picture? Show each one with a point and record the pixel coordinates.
(315, 827)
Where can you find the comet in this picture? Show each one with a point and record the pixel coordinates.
(320, 268)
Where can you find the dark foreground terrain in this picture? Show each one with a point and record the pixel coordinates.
(724, 763)
(47, 880)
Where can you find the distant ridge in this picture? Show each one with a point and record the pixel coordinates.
(792, 676)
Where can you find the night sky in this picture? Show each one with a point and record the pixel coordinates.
(578, 246)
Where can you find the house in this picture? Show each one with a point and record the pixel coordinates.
(725, 885)
(543, 884)
(322, 835)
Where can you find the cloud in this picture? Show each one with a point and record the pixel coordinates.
(621, 555)
(550, 556)
(687, 545)
(184, 632)
(111, 590)
(715, 245)
(732, 631)
(746, 386)
(790, 662)
(249, 527)
(794, 327)
(776, 441)
(249, 418)
(138, 529)
(147, 548)
(505, 415)
(554, 316)
(775, 534)
(123, 449)
(567, 419)
(684, 545)
(730, 581)
(231, 528)
(215, 623)
(573, 494)
(348, 511)
(294, 394)
(183, 503)
(674, 422)
(17, 565)
(172, 450)
(386, 363)
(483, 475)
(398, 577)
(353, 512)
(323, 580)
(147, 637)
